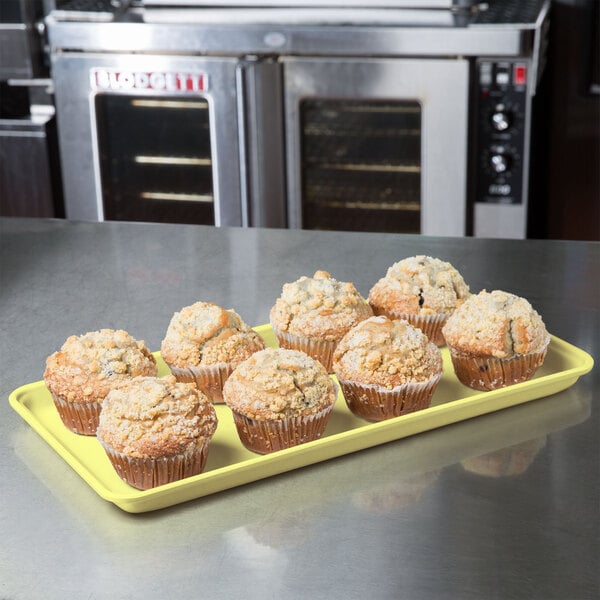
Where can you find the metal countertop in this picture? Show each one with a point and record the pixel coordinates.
(500, 506)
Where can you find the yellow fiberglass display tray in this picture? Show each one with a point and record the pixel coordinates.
(230, 464)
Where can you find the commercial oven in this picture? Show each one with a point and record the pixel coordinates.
(320, 115)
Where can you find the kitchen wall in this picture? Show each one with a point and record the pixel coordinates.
(565, 174)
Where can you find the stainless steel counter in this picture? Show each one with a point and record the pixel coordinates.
(502, 506)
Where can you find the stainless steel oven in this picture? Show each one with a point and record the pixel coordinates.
(334, 115)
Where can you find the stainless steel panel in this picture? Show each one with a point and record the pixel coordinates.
(313, 3)
(304, 16)
(262, 145)
(74, 100)
(220, 38)
(15, 51)
(500, 220)
(442, 89)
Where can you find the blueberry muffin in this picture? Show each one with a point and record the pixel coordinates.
(279, 398)
(423, 290)
(156, 430)
(204, 343)
(387, 368)
(81, 374)
(313, 314)
(496, 339)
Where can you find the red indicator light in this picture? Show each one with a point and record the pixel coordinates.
(520, 75)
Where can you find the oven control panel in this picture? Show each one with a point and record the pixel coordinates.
(500, 130)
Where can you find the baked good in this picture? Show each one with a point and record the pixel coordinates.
(204, 343)
(495, 339)
(313, 314)
(387, 368)
(87, 367)
(279, 398)
(156, 430)
(423, 290)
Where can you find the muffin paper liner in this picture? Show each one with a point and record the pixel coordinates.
(321, 350)
(146, 473)
(375, 403)
(489, 373)
(265, 437)
(209, 379)
(430, 325)
(79, 417)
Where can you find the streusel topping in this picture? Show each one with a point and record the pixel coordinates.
(496, 324)
(386, 353)
(87, 367)
(150, 417)
(319, 306)
(419, 285)
(206, 334)
(278, 384)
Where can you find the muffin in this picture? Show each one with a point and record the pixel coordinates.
(279, 398)
(387, 368)
(87, 367)
(495, 339)
(313, 314)
(423, 290)
(204, 343)
(156, 430)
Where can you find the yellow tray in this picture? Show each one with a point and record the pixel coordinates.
(230, 464)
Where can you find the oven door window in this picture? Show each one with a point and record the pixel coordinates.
(361, 165)
(155, 158)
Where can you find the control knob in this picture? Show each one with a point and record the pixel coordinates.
(501, 119)
(499, 163)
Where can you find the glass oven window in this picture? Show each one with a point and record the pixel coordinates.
(361, 165)
(155, 158)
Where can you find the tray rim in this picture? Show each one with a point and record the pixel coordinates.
(331, 446)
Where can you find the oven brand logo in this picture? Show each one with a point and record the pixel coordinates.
(157, 81)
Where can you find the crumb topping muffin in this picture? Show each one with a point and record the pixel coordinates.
(87, 367)
(276, 384)
(419, 285)
(206, 334)
(496, 324)
(319, 306)
(496, 339)
(386, 353)
(150, 417)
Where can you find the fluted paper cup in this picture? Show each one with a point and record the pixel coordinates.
(79, 417)
(208, 379)
(321, 350)
(375, 403)
(490, 373)
(431, 325)
(268, 436)
(146, 473)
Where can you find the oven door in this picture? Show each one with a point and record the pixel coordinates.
(149, 138)
(377, 144)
